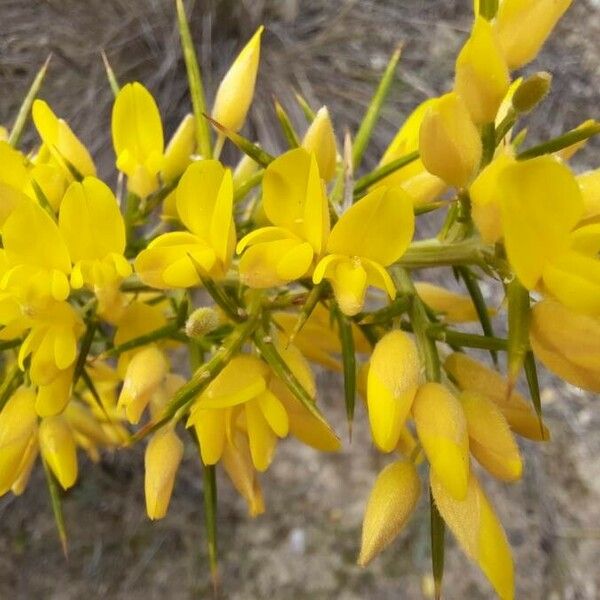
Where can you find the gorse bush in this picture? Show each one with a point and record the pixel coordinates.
(302, 260)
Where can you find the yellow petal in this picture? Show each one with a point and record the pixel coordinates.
(392, 382)
(274, 413)
(567, 343)
(490, 439)
(391, 503)
(163, 456)
(236, 89)
(442, 430)
(210, 429)
(473, 376)
(52, 398)
(524, 25)
(482, 78)
(455, 308)
(478, 532)
(57, 446)
(178, 154)
(540, 204)
(449, 142)
(60, 139)
(320, 139)
(379, 227)
(589, 184)
(261, 437)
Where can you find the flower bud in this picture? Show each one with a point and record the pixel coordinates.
(163, 455)
(478, 532)
(442, 430)
(567, 343)
(449, 142)
(245, 168)
(390, 505)
(144, 374)
(490, 439)
(320, 139)
(57, 445)
(531, 92)
(482, 77)
(237, 87)
(473, 376)
(392, 382)
(18, 421)
(524, 25)
(178, 154)
(202, 321)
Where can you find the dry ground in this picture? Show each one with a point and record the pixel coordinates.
(305, 546)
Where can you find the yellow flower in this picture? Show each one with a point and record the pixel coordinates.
(52, 398)
(145, 372)
(453, 307)
(472, 376)
(490, 439)
(163, 456)
(449, 142)
(479, 533)
(320, 139)
(57, 446)
(567, 343)
(390, 505)
(392, 382)
(420, 185)
(541, 204)
(61, 142)
(482, 77)
(18, 427)
(210, 235)
(236, 89)
(294, 202)
(442, 429)
(524, 25)
(138, 138)
(589, 184)
(369, 236)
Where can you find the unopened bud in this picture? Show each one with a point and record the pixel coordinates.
(202, 321)
(531, 92)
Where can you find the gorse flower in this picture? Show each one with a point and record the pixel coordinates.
(304, 257)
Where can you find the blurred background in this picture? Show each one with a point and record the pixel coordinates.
(306, 544)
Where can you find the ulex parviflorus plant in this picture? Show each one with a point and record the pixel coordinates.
(301, 263)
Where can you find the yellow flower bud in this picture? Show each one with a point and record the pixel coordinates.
(202, 321)
(161, 461)
(390, 505)
(236, 89)
(442, 429)
(490, 439)
(478, 532)
(320, 139)
(524, 25)
(145, 372)
(482, 77)
(473, 376)
(392, 382)
(245, 168)
(568, 343)
(180, 148)
(57, 445)
(449, 142)
(531, 92)
(455, 308)
(18, 422)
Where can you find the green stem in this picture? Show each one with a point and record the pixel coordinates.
(433, 253)
(574, 136)
(379, 173)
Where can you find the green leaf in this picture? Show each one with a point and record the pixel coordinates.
(195, 82)
(363, 135)
(248, 185)
(518, 328)
(438, 534)
(349, 364)
(488, 9)
(287, 128)
(56, 503)
(210, 520)
(110, 75)
(534, 387)
(309, 113)
(307, 308)
(385, 315)
(25, 109)
(86, 344)
(379, 173)
(12, 380)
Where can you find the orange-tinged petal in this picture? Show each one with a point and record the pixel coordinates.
(442, 430)
(478, 531)
(391, 503)
(392, 382)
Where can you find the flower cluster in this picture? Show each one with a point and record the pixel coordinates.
(263, 272)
